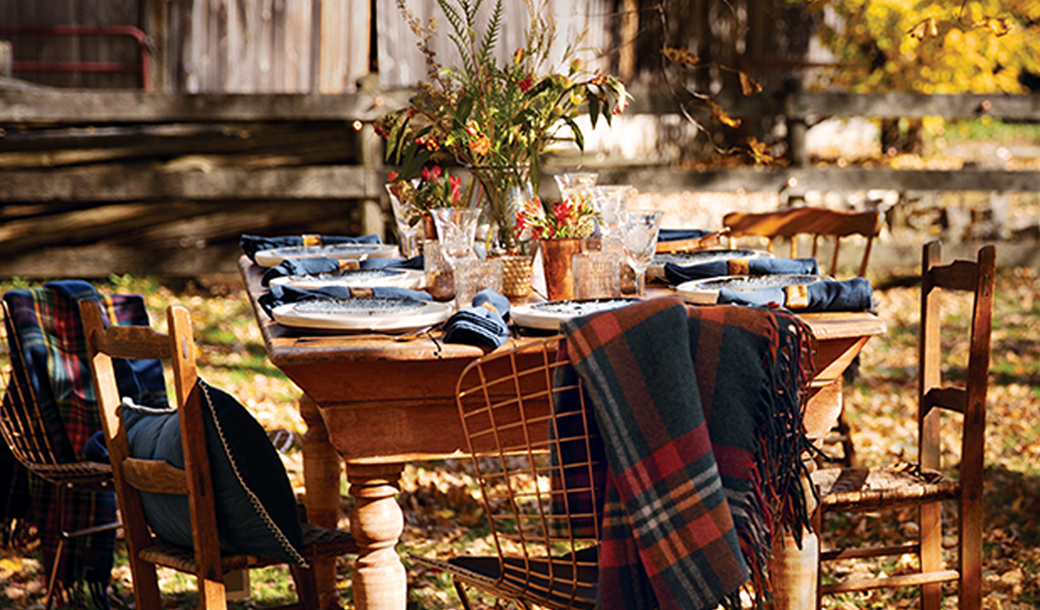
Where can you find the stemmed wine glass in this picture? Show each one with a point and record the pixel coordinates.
(456, 230)
(640, 230)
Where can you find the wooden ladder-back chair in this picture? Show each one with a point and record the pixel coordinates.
(815, 222)
(536, 453)
(924, 484)
(32, 443)
(135, 477)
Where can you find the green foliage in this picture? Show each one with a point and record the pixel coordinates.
(927, 46)
(481, 114)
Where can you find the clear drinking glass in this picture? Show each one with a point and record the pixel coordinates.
(409, 225)
(640, 229)
(610, 201)
(575, 185)
(456, 230)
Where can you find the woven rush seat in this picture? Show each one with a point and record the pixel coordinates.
(317, 542)
(871, 488)
(93, 475)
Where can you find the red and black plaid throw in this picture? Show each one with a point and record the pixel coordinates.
(700, 413)
(48, 352)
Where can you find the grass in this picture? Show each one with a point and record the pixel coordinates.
(442, 516)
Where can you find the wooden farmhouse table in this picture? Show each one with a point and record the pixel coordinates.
(378, 403)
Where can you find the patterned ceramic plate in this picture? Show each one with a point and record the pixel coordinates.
(367, 314)
(695, 257)
(706, 291)
(355, 278)
(270, 258)
(549, 314)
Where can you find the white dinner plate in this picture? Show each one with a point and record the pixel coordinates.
(549, 314)
(367, 314)
(355, 278)
(354, 252)
(706, 291)
(696, 257)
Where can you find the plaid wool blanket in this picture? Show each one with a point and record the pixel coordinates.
(700, 413)
(48, 354)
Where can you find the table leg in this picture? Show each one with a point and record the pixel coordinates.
(380, 582)
(321, 475)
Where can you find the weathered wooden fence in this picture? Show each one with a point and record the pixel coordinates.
(98, 182)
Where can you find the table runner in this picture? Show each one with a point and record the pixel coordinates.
(700, 412)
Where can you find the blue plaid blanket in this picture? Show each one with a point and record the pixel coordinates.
(700, 412)
(52, 360)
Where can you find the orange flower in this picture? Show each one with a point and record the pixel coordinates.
(481, 145)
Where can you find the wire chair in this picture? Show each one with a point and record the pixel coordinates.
(539, 461)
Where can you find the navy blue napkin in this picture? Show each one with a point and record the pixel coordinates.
(677, 274)
(483, 324)
(415, 263)
(681, 234)
(826, 295)
(280, 295)
(251, 244)
(325, 264)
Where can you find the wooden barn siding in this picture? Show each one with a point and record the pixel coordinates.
(402, 65)
(268, 46)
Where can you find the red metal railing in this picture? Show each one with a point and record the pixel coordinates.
(143, 44)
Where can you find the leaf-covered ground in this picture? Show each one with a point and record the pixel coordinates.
(443, 516)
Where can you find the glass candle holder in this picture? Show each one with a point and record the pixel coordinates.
(597, 275)
(473, 275)
(440, 279)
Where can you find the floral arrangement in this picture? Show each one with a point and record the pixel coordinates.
(484, 116)
(567, 218)
(434, 188)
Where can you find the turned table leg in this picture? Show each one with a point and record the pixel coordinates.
(376, 523)
(321, 475)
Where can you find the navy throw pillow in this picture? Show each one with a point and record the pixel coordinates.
(255, 504)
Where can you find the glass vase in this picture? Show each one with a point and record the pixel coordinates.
(504, 190)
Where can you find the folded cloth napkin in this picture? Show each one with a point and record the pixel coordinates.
(483, 324)
(324, 264)
(415, 263)
(280, 295)
(825, 295)
(681, 234)
(677, 274)
(251, 244)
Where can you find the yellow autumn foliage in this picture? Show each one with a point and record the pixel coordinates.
(930, 46)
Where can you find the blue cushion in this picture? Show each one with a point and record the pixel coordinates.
(256, 507)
